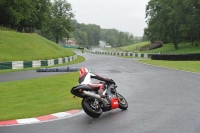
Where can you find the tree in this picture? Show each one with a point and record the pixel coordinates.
(23, 14)
(59, 24)
(81, 37)
(163, 21)
(173, 20)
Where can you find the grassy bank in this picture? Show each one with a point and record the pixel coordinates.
(129, 48)
(36, 97)
(184, 48)
(16, 46)
(192, 66)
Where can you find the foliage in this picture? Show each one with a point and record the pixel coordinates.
(117, 38)
(87, 35)
(23, 14)
(173, 21)
(91, 34)
(51, 19)
(134, 47)
(59, 24)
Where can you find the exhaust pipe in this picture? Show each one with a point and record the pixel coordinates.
(92, 95)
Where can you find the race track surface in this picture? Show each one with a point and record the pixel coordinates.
(160, 100)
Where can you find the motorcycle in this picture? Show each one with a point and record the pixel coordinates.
(98, 100)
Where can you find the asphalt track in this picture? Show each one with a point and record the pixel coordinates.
(160, 100)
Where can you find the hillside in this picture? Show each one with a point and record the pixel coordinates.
(16, 46)
(129, 48)
(184, 48)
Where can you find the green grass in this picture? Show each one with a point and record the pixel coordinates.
(37, 97)
(192, 66)
(16, 46)
(183, 49)
(134, 47)
(129, 48)
(78, 60)
(6, 29)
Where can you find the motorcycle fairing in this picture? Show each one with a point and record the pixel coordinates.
(112, 93)
(114, 103)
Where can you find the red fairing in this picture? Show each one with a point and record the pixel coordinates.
(114, 103)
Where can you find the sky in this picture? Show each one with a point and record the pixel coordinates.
(122, 15)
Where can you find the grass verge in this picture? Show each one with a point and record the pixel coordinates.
(37, 97)
(192, 66)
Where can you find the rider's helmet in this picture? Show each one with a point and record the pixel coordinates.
(83, 71)
(84, 77)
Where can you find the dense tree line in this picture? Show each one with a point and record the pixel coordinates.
(19, 14)
(91, 34)
(86, 35)
(173, 21)
(51, 19)
(117, 38)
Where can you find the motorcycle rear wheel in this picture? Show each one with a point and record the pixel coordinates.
(123, 104)
(91, 107)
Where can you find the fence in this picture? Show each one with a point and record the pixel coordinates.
(177, 57)
(37, 63)
(131, 54)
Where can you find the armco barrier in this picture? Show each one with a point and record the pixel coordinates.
(28, 64)
(142, 55)
(44, 63)
(38, 63)
(55, 61)
(176, 57)
(5, 65)
(17, 64)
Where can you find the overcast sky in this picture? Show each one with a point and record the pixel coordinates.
(123, 15)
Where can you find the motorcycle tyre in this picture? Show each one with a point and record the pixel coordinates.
(123, 106)
(88, 110)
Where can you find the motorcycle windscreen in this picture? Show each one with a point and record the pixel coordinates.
(114, 103)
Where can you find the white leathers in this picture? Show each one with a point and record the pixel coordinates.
(87, 79)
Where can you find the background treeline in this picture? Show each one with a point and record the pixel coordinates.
(50, 19)
(23, 14)
(173, 21)
(54, 20)
(91, 34)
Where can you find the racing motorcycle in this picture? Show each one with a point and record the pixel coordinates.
(98, 100)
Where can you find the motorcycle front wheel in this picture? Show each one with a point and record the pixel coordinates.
(123, 104)
(91, 107)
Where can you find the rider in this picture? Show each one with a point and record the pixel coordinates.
(85, 78)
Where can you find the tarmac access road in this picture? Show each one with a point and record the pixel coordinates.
(160, 100)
